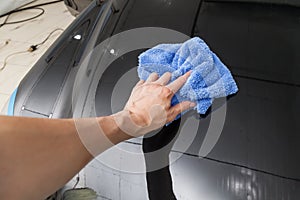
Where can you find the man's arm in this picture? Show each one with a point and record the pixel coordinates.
(38, 156)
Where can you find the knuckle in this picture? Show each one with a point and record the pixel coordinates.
(167, 90)
(178, 108)
(170, 114)
(170, 117)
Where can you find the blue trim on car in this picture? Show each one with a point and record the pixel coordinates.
(11, 104)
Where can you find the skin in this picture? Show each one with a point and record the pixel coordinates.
(39, 156)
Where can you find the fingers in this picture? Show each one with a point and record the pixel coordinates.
(152, 77)
(164, 79)
(178, 83)
(179, 108)
(139, 83)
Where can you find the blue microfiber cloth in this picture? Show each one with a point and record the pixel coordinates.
(210, 78)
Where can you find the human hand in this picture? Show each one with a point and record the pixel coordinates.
(149, 105)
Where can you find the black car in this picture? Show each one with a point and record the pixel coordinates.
(91, 68)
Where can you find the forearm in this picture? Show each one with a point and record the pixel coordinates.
(38, 156)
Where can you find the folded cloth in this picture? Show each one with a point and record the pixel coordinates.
(209, 79)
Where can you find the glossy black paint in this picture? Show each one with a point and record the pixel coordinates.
(258, 41)
(260, 44)
(257, 154)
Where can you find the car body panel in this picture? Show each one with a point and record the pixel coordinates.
(256, 155)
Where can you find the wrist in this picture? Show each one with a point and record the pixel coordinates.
(128, 123)
(112, 127)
